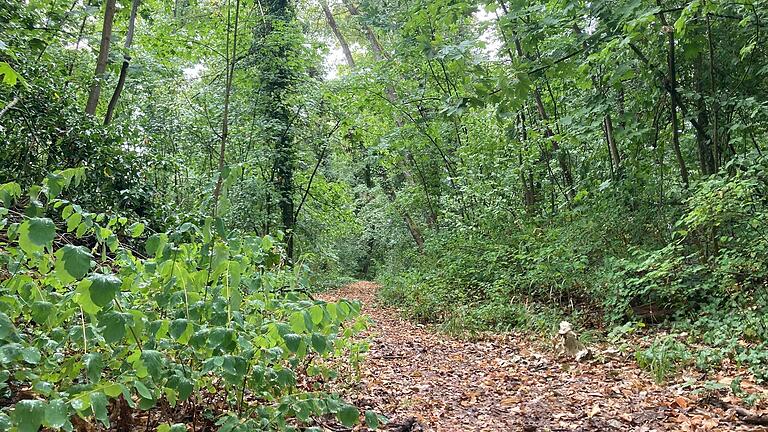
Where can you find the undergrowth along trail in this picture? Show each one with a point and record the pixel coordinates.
(511, 383)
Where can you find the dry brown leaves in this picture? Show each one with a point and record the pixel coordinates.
(512, 384)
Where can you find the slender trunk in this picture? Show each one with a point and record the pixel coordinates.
(101, 60)
(713, 95)
(610, 137)
(413, 229)
(614, 150)
(231, 59)
(706, 164)
(335, 29)
(378, 52)
(386, 185)
(560, 155)
(80, 32)
(672, 79)
(126, 62)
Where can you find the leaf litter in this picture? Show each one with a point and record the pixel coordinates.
(424, 380)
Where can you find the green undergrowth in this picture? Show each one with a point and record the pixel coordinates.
(100, 317)
(605, 265)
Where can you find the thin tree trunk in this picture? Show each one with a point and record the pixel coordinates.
(713, 95)
(378, 52)
(101, 61)
(672, 78)
(614, 150)
(231, 59)
(413, 229)
(561, 157)
(386, 185)
(126, 62)
(335, 29)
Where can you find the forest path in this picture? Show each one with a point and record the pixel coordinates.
(508, 384)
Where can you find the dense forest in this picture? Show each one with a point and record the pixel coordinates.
(180, 179)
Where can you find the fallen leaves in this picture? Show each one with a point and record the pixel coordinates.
(510, 383)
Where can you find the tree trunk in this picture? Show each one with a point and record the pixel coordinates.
(673, 95)
(378, 52)
(386, 185)
(614, 150)
(335, 29)
(413, 229)
(126, 62)
(101, 60)
(231, 59)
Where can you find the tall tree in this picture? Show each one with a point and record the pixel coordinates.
(126, 63)
(339, 36)
(103, 57)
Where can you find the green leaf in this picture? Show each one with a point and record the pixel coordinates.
(154, 361)
(75, 261)
(83, 297)
(6, 326)
(136, 229)
(319, 343)
(113, 327)
(31, 355)
(316, 313)
(371, 419)
(99, 407)
(29, 415)
(73, 221)
(143, 391)
(292, 341)
(35, 234)
(348, 415)
(57, 413)
(297, 322)
(103, 288)
(9, 75)
(94, 364)
(9, 192)
(41, 311)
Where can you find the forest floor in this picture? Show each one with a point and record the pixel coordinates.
(424, 380)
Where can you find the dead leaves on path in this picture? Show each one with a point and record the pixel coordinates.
(511, 384)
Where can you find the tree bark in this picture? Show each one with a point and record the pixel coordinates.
(126, 62)
(612, 147)
(101, 60)
(378, 52)
(386, 185)
(231, 60)
(335, 29)
(672, 79)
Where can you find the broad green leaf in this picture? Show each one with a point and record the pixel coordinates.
(36, 234)
(73, 261)
(348, 415)
(94, 364)
(99, 407)
(371, 419)
(103, 288)
(136, 229)
(113, 326)
(143, 391)
(319, 343)
(292, 341)
(316, 312)
(56, 413)
(6, 326)
(29, 415)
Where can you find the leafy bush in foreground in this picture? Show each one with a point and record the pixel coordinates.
(197, 326)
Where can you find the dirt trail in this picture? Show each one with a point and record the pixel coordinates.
(510, 384)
